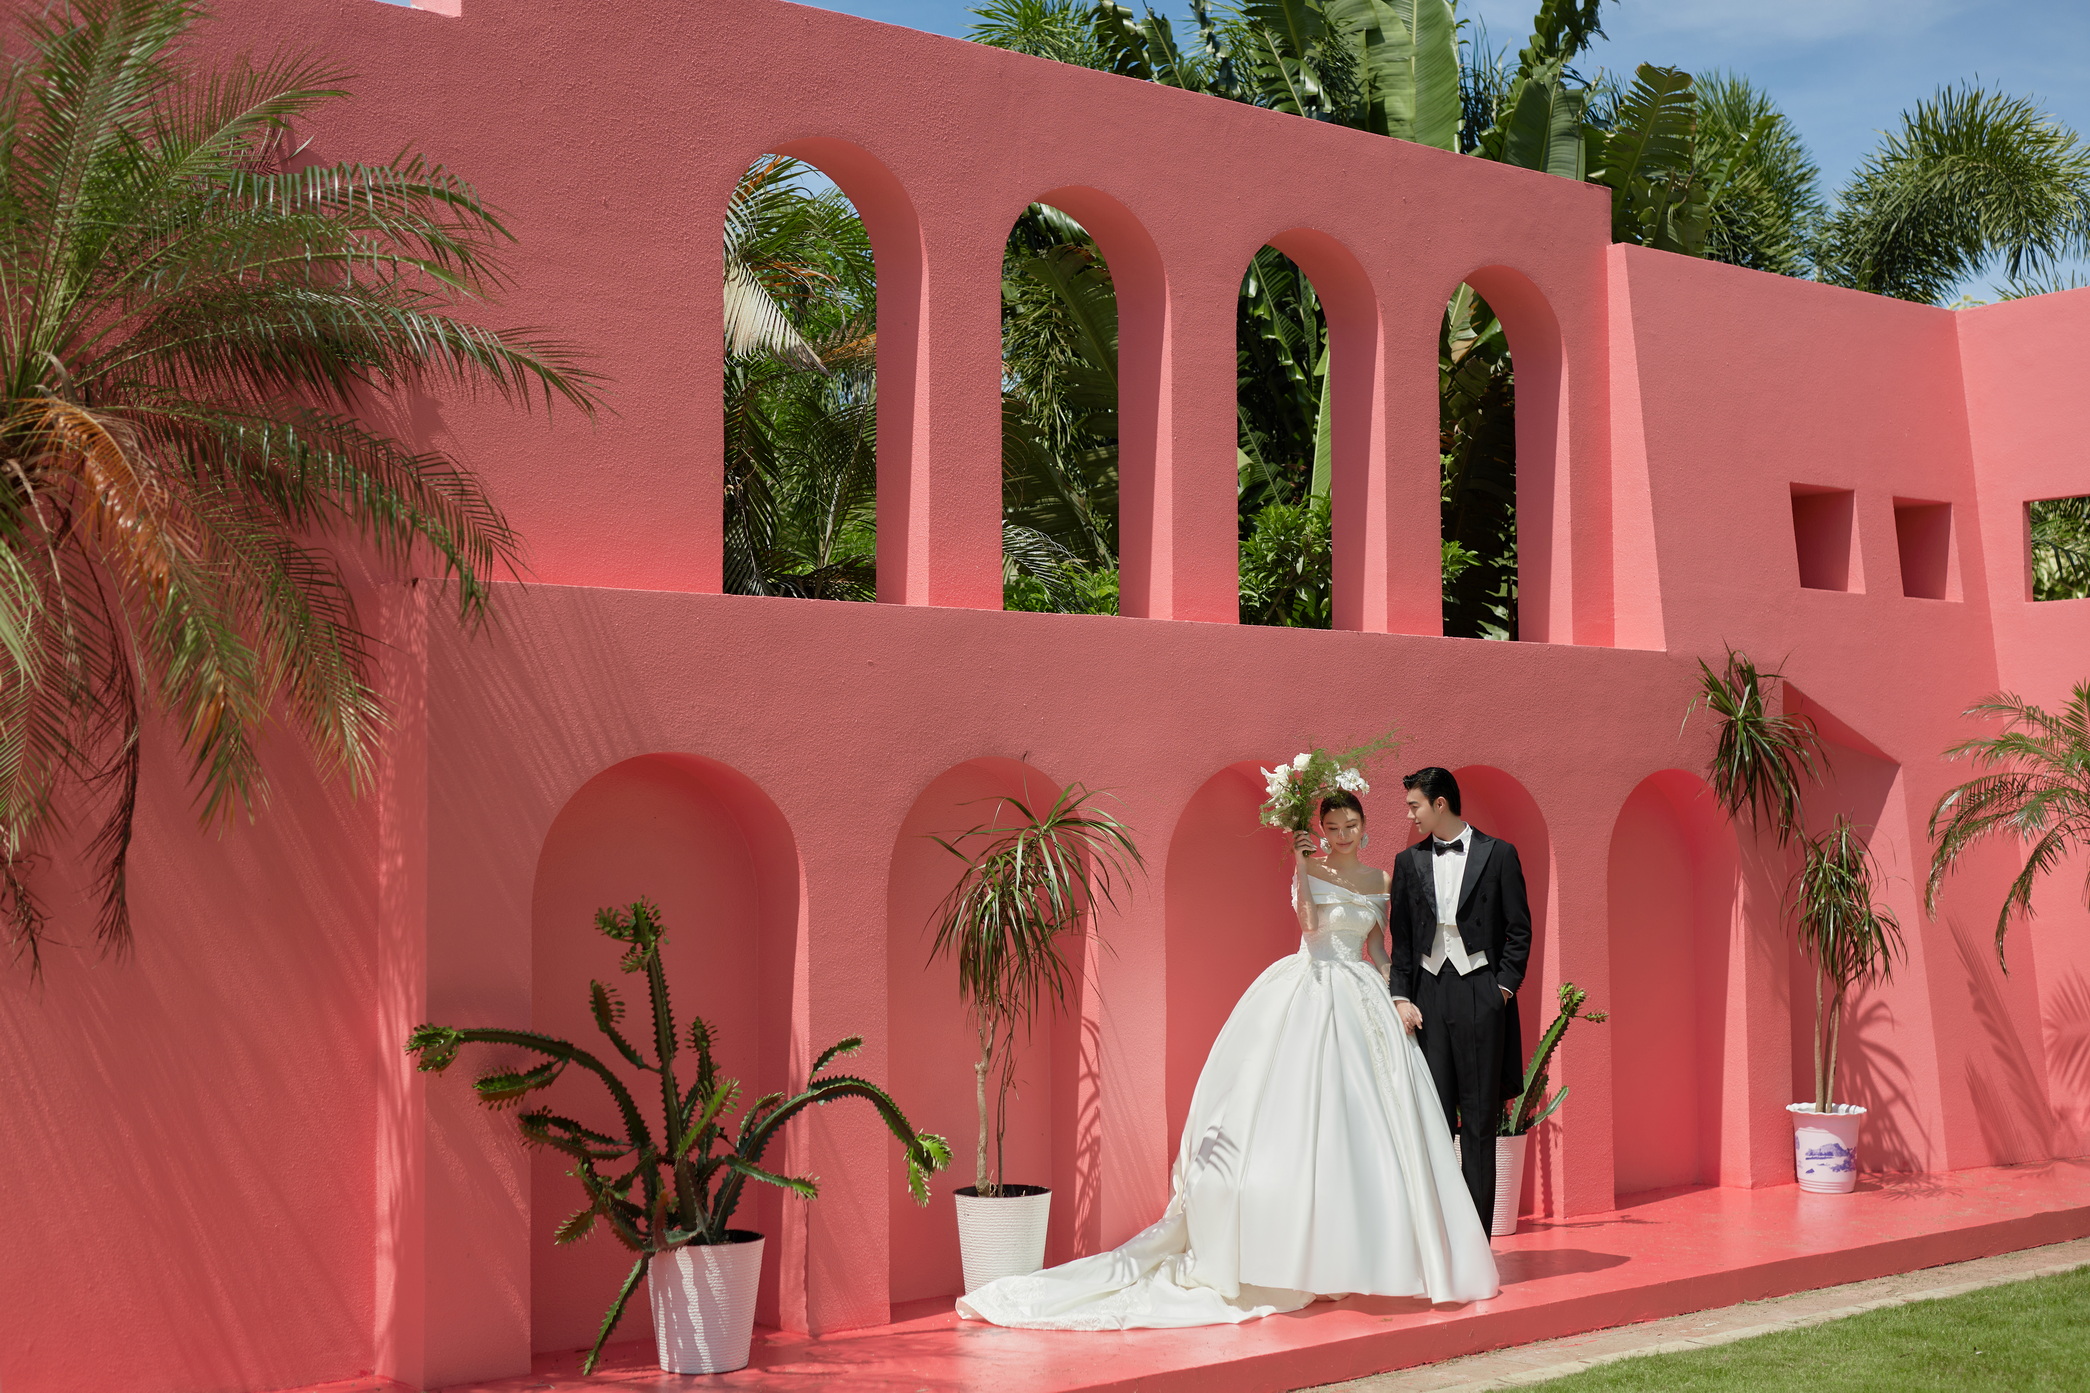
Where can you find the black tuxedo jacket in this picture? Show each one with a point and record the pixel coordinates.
(1494, 918)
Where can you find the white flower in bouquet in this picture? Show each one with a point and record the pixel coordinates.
(1295, 790)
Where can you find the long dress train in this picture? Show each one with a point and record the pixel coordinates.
(1315, 1161)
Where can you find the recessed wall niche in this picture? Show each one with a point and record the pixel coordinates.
(1825, 536)
(1923, 536)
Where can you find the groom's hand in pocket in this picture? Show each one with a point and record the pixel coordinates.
(1410, 1017)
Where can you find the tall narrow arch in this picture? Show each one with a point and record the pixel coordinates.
(1541, 610)
(1673, 887)
(895, 231)
(1313, 476)
(708, 847)
(1097, 507)
(1053, 1135)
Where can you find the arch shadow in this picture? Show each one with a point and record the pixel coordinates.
(1674, 884)
(705, 844)
(1054, 1119)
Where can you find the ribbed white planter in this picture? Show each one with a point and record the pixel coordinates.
(1825, 1146)
(704, 1303)
(1002, 1237)
(1509, 1180)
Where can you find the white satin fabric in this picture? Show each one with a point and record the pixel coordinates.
(1315, 1161)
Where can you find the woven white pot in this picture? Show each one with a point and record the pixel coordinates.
(1825, 1146)
(1509, 1180)
(1003, 1237)
(704, 1303)
(1509, 1183)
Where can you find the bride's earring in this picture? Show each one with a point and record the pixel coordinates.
(1364, 841)
(1324, 844)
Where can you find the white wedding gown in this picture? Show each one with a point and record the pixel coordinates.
(1315, 1161)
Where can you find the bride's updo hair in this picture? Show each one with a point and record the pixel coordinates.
(1342, 798)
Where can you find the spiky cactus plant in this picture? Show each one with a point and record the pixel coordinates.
(1531, 1106)
(688, 1174)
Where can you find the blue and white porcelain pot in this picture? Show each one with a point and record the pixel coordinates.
(1825, 1146)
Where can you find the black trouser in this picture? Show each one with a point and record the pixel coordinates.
(1462, 1041)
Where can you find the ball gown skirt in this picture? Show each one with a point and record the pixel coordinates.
(1315, 1161)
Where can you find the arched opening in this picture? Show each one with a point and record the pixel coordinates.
(1673, 886)
(1062, 437)
(1285, 448)
(1052, 1132)
(807, 436)
(709, 848)
(1501, 414)
(1229, 914)
(1497, 804)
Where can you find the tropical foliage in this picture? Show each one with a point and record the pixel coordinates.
(2032, 785)
(1032, 880)
(2060, 536)
(196, 319)
(800, 391)
(690, 1172)
(1531, 1106)
(1848, 938)
(1760, 760)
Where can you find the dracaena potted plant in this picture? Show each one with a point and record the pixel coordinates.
(1761, 767)
(1850, 940)
(1522, 1114)
(1030, 880)
(667, 1187)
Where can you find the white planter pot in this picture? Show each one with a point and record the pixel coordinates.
(704, 1304)
(1825, 1147)
(1002, 1237)
(1509, 1183)
(1509, 1180)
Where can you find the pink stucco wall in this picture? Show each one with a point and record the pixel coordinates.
(217, 1147)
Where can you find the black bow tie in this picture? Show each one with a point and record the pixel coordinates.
(1448, 848)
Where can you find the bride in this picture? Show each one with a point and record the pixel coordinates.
(1315, 1161)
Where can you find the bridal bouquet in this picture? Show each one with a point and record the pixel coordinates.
(1295, 790)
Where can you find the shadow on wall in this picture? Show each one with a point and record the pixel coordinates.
(705, 844)
(1052, 1132)
(2067, 1023)
(2004, 1080)
(1673, 879)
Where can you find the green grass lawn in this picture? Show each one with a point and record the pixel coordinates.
(2024, 1335)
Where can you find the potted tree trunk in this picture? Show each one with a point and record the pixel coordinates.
(1522, 1115)
(1029, 882)
(1849, 940)
(687, 1175)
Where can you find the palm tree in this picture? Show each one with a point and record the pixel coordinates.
(194, 317)
(2033, 786)
(800, 390)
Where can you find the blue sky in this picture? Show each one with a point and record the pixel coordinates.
(1842, 69)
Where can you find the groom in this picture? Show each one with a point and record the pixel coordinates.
(1461, 930)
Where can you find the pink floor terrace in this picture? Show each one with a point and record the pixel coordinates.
(224, 1175)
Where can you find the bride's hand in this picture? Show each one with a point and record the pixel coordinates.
(1304, 844)
(1410, 1016)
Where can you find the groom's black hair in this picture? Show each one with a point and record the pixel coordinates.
(1434, 783)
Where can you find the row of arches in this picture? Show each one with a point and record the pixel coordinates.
(817, 508)
(707, 845)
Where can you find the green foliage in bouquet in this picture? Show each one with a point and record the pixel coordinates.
(1531, 1106)
(1294, 791)
(690, 1173)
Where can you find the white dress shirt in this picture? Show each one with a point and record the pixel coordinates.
(1449, 946)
